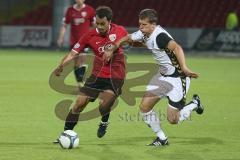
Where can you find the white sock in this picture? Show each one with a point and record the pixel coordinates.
(186, 111)
(152, 120)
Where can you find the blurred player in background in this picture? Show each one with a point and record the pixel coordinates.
(108, 72)
(172, 81)
(232, 21)
(81, 17)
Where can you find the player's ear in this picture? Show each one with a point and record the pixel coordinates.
(154, 23)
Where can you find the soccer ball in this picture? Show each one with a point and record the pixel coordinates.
(68, 139)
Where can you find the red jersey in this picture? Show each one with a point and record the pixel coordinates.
(80, 21)
(116, 67)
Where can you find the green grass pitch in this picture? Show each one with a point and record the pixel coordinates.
(28, 124)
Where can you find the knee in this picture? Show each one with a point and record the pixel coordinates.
(79, 105)
(172, 115)
(106, 106)
(144, 108)
(172, 120)
(75, 110)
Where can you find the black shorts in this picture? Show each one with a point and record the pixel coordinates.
(95, 85)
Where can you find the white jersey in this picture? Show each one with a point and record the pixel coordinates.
(162, 56)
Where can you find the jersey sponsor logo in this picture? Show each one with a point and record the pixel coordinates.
(76, 46)
(101, 49)
(112, 37)
(78, 21)
(84, 14)
(105, 47)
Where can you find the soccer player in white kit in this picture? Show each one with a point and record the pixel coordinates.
(172, 81)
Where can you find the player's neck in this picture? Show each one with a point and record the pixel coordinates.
(104, 33)
(79, 6)
(151, 31)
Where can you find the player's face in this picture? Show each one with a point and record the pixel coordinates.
(146, 27)
(79, 2)
(102, 25)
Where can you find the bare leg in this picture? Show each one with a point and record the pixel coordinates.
(73, 115)
(107, 99)
(149, 115)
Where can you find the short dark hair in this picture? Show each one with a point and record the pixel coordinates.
(104, 11)
(149, 14)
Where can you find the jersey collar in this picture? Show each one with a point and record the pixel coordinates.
(78, 9)
(109, 28)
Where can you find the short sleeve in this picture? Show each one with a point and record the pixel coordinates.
(162, 40)
(137, 36)
(81, 44)
(92, 16)
(67, 17)
(122, 32)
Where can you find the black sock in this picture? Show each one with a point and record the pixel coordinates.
(71, 121)
(105, 112)
(79, 73)
(105, 117)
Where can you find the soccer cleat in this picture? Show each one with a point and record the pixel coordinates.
(200, 108)
(102, 129)
(159, 142)
(56, 141)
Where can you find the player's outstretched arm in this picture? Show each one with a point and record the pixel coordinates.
(62, 32)
(66, 59)
(178, 51)
(129, 41)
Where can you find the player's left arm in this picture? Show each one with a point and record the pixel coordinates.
(178, 51)
(164, 41)
(93, 18)
(129, 41)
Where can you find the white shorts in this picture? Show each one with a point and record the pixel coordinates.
(170, 87)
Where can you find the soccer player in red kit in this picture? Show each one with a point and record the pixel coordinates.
(81, 17)
(108, 71)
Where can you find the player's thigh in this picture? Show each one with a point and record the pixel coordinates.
(81, 58)
(172, 115)
(148, 101)
(155, 90)
(159, 86)
(176, 97)
(180, 87)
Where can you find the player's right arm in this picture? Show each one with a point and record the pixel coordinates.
(65, 21)
(77, 49)
(136, 39)
(66, 59)
(62, 32)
